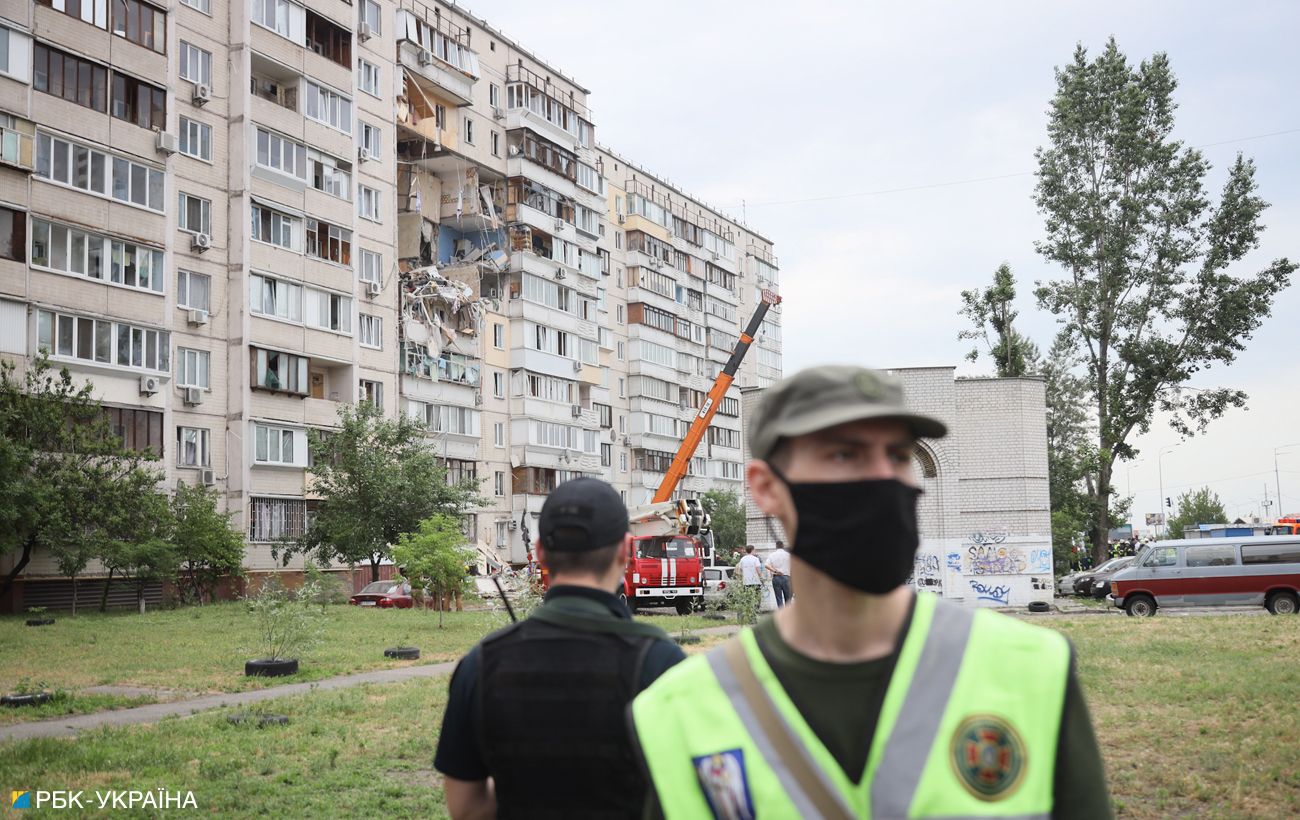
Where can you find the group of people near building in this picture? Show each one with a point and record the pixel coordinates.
(775, 570)
(859, 698)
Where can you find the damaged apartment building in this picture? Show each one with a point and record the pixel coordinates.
(267, 209)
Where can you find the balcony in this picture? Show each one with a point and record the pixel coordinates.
(17, 142)
(423, 52)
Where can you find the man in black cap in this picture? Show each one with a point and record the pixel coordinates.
(535, 722)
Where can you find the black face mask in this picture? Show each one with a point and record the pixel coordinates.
(861, 533)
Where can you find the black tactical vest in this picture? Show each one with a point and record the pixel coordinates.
(554, 696)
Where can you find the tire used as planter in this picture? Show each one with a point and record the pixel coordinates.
(1039, 606)
(39, 621)
(402, 653)
(33, 699)
(239, 718)
(682, 640)
(271, 668)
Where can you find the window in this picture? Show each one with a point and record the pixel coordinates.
(1161, 557)
(499, 484)
(371, 391)
(622, 351)
(277, 15)
(278, 445)
(192, 368)
(333, 176)
(196, 64)
(138, 430)
(328, 311)
(372, 331)
(605, 413)
(622, 462)
(494, 95)
(276, 519)
(367, 77)
(468, 132)
(281, 154)
(371, 141)
(68, 249)
(499, 434)
(729, 406)
(204, 6)
(1271, 554)
(371, 266)
(329, 107)
(274, 297)
(442, 418)
(274, 227)
(70, 163)
(618, 314)
(94, 12)
(195, 214)
(192, 448)
(499, 385)
(370, 15)
(722, 437)
(193, 290)
(13, 235)
(1219, 555)
(329, 242)
(138, 102)
(368, 203)
(496, 143)
(196, 139)
(606, 455)
(498, 336)
(622, 387)
(72, 78)
(283, 372)
(104, 342)
(328, 40)
(140, 23)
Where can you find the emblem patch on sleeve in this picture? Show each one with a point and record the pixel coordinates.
(988, 756)
(725, 784)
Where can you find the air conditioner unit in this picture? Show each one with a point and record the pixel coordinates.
(166, 143)
(478, 399)
(208, 477)
(148, 385)
(559, 224)
(624, 441)
(193, 396)
(365, 32)
(559, 273)
(426, 57)
(575, 410)
(513, 525)
(198, 317)
(714, 254)
(200, 242)
(373, 289)
(202, 93)
(364, 155)
(577, 366)
(498, 113)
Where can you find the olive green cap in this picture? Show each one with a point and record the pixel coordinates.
(821, 397)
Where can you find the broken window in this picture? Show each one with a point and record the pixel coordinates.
(329, 40)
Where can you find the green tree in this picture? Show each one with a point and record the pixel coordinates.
(727, 518)
(991, 310)
(1147, 298)
(1196, 507)
(135, 533)
(376, 480)
(66, 481)
(207, 549)
(435, 556)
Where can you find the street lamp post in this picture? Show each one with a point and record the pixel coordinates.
(1277, 474)
(1160, 468)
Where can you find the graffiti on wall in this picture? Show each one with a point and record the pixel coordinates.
(954, 561)
(999, 593)
(1040, 560)
(925, 572)
(992, 559)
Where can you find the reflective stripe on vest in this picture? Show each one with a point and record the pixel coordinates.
(970, 689)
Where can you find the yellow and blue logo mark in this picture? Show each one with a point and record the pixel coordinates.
(20, 799)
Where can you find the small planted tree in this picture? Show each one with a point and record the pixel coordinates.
(207, 549)
(134, 527)
(288, 625)
(435, 556)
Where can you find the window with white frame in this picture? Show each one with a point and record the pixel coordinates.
(204, 6)
(284, 18)
(192, 368)
(372, 141)
(329, 107)
(276, 519)
(329, 242)
(327, 311)
(468, 132)
(276, 227)
(372, 331)
(193, 290)
(275, 297)
(367, 76)
(370, 14)
(444, 418)
(281, 154)
(494, 95)
(371, 391)
(368, 203)
(68, 249)
(196, 64)
(196, 139)
(98, 340)
(622, 462)
(333, 176)
(279, 445)
(496, 143)
(192, 447)
(70, 163)
(195, 214)
(622, 351)
(371, 266)
(499, 385)
(283, 372)
(498, 336)
(499, 484)
(499, 434)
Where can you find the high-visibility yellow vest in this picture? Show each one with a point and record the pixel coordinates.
(968, 728)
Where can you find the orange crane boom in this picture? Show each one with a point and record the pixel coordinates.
(704, 418)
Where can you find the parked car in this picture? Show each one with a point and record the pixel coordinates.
(1083, 583)
(1065, 584)
(715, 585)
(1251, 571)
(1101, 580)
(385, 595)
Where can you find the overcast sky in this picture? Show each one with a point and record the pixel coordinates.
(767, 103)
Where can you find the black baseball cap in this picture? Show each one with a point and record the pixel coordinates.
(582, 515)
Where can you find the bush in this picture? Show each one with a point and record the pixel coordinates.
(288, 625)
(744, 601)
(332, 588)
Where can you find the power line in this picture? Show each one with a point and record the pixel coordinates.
(972, 181)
